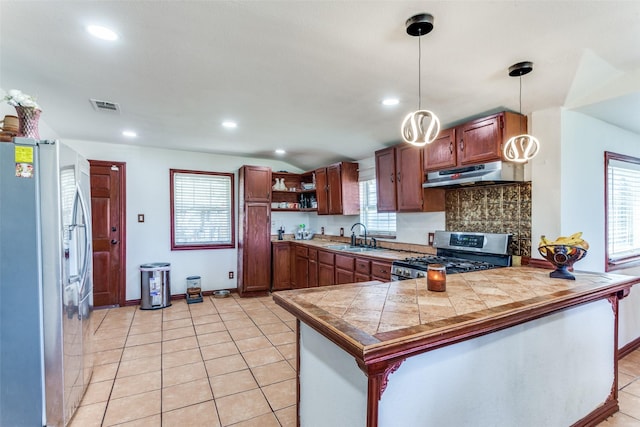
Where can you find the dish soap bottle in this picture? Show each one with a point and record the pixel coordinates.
(300, 232)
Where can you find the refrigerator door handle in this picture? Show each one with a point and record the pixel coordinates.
(87, 239)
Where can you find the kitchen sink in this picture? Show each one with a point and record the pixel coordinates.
(349, 248)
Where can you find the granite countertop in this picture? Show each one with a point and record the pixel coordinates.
(376, 321)
(398, 251)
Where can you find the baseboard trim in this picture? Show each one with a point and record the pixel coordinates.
(174, 297)
(629, 348)
(595, 417)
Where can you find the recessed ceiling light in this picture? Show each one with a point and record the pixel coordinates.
(390, 101)
(229, 124)
(280, 151)
(102, 33)
(129, 133)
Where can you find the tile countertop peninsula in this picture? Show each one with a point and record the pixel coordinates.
(383, 324)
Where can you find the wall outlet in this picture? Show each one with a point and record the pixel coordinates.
(231, 275)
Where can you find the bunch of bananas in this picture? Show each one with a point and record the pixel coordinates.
(570, 244)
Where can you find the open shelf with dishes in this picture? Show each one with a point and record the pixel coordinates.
(293, 192)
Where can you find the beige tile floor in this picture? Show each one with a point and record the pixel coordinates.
(628, 393)
(222, 362)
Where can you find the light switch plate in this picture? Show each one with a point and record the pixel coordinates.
(140, 217)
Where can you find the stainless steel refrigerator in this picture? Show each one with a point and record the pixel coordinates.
(46, 284)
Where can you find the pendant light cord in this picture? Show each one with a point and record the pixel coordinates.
(521, 95)
(419, 70)
(520, 119)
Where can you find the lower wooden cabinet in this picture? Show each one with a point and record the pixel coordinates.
(345, 271)
(326, 269)
(313, 268)
(298, 266)
(302, 267)
(254, 249)
(381, 270)
(363, 270)
(281, 261)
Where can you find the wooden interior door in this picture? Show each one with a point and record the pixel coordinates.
(108, 227)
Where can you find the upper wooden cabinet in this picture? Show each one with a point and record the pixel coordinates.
(295, 193)
(409, 178)
(399, 178)
(442, 153)
(386, 180)
(256, 184)
(474, 142)
(337, 189)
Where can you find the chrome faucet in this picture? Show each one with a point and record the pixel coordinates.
(364, 228)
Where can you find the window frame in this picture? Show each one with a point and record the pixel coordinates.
(373, 232)
(227, 245)
(622, 261)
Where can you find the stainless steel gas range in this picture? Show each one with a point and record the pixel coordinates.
(459, 252)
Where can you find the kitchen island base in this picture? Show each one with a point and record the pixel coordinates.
(552, 371)
(500, 347)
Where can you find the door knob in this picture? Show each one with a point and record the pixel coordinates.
(113, 241)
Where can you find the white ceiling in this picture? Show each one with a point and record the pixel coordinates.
(308, 76)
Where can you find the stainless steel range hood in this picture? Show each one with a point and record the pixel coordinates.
(484, 174)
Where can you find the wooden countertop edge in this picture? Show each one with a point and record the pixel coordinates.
(369, 350)
(342, 336)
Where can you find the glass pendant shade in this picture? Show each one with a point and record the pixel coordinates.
(521, 148)
(420, 127)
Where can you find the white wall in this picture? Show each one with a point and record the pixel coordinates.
(147, 175)
(568, 178)
(411, 227)
(584, 141)
(568, 191)
(550, 371)
(545, 177)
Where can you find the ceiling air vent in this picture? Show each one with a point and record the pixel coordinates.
(105, 106)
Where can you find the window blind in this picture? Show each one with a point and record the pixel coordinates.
(202, 209)
(382, 223)
(623, 210)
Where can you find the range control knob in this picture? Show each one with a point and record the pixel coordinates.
(420, 274)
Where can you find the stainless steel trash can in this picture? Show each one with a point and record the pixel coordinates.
(155, 289)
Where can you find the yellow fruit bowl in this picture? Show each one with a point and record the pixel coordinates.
(563, 257)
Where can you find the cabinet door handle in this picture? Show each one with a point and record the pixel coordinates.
(391, 177)
(398, 176)
(451, 147)
(461, 145)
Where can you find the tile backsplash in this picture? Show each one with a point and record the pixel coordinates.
(493, 209)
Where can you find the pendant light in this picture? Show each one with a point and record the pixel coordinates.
(422, 126)
(523, 147)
